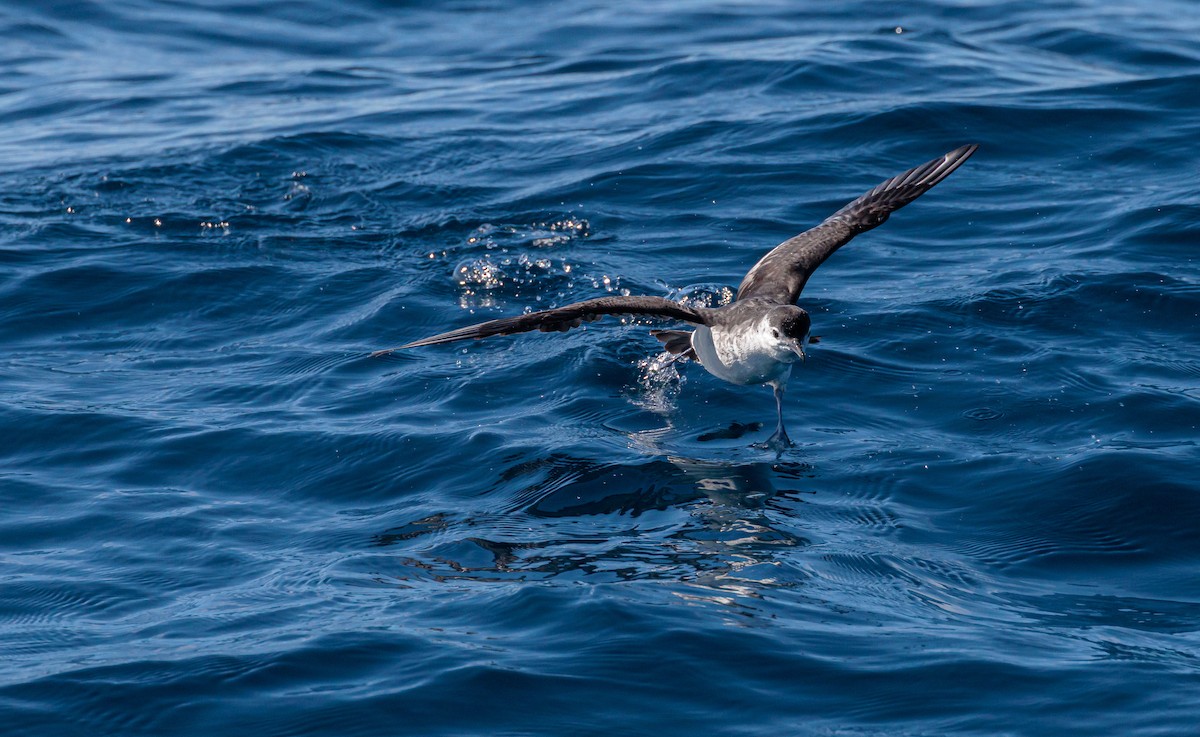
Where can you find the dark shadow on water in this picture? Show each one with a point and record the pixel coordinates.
(699, 522)
(660, 484)
(733, 432)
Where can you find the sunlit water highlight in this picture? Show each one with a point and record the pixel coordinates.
(218, 514)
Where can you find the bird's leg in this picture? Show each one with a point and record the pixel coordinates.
(780, 439)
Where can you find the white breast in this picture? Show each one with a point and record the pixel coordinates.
(744, 357)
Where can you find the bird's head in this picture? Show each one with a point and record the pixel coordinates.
(788, 326)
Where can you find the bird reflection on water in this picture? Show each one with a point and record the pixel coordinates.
(701, 523)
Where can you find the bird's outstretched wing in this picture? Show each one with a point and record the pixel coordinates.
(781, 274)
(562, 319)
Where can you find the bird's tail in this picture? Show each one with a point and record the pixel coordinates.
(678, 342)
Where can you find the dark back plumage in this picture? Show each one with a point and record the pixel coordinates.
(780, 276)
(562, 319)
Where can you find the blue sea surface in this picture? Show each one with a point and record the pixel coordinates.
(219, 515)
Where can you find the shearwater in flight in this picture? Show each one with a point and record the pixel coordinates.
(756, 338)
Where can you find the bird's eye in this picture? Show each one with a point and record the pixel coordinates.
(774, 333)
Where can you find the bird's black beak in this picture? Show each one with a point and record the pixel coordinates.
(798, 347)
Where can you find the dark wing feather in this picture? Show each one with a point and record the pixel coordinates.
(562, 319)
(781, 274)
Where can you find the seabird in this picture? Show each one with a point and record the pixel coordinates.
(756, 338)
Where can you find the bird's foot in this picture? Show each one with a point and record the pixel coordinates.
(778, 442)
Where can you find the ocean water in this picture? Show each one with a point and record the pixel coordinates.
(220, 515)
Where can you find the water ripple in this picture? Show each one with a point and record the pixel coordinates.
(219, 509)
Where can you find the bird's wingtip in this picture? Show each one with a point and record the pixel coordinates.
(388, 351)
(963, 151)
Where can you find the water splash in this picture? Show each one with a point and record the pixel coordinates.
(659, 382)
(500, 263)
